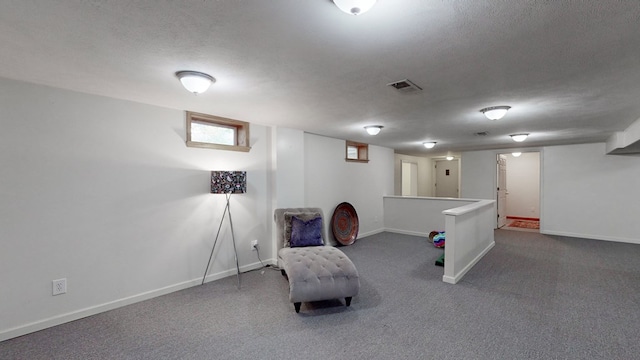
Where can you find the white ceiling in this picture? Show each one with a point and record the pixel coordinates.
(569, 69)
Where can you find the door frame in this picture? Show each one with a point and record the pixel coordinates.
(540, 152)
(434, 175)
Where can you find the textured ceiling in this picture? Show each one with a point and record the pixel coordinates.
(569, 69)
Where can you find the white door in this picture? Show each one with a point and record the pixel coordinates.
(502, 190)
(409, 179)
(447, 178)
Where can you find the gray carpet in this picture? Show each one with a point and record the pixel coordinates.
(531, 297)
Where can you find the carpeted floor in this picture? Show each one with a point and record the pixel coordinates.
(531, 297)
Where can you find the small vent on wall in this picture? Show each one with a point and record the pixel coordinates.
(481, 133)
(405, 86)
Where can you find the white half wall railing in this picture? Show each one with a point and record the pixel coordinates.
(468, 224)
(469, 236)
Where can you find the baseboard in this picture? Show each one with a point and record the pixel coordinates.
(591, 237)
(97, 309)
(454, 279)
(369, 233)
(405, 232)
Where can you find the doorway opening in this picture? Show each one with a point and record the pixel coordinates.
(409, 179)
(518, 191)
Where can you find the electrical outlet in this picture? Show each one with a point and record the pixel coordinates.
(254, 244)
(59, 286)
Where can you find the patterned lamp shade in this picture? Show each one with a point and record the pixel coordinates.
(228, 182)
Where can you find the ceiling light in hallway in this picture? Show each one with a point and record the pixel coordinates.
(519, 137)
(495, 112)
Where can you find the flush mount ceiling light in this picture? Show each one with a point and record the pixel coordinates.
(355, 7)
(516, 154)
(373, 129)
(449, 158)
(519, 137)
(495, 112)
(429, 144)
(194, 81)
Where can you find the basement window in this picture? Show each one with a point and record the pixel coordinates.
(213, 132)
(357, 152)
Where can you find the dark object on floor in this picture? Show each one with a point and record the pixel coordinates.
(344, 224)
(440, 260)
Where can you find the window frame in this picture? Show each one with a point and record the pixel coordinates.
(363, 151)
(241, 141)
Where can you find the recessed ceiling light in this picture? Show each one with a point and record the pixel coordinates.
(519, 137)
(495, 112)
(373, 129)
(429, 144)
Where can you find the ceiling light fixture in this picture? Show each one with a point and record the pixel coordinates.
(449, 158)
(194, 81)
(495, 112)
(373, 129)
(516, 154)
(429, 144)
(355, 7)
(519, 137)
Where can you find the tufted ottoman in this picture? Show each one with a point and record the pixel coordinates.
(318, 273)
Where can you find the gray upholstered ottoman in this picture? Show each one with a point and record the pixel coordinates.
(314, 272)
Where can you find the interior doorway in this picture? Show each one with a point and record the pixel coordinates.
(502, 191)
(518, 191)
(409, 179)
(447, 178)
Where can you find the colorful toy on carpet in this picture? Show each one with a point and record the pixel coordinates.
(440, 260)
(437, 237)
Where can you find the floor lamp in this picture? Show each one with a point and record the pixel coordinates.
(227, 183)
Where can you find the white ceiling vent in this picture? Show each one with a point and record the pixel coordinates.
(405, 86)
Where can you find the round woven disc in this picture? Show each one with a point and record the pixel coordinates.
(344, 224)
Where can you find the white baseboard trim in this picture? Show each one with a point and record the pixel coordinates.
(454, 279)
(405, 232)
(93, 310)
(369, 233)
(591, 237)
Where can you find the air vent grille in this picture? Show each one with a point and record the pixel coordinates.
(481, 133)
(405, 86)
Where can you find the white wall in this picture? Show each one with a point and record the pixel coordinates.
(589, 194)
(418, 215)
(105, 193)
(330, 180)
(523, 185)
(425, 174)
(478, 171)
(584, 193)
(289, 167)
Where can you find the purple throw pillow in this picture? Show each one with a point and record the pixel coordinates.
(306, 233)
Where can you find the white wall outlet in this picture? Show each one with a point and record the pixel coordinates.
(59, 286)
(254, 244)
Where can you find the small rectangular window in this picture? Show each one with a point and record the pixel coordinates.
(357, 152)
(208, 131)
(352, 152)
